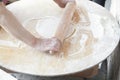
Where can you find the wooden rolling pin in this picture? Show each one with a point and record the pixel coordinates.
(65, 21)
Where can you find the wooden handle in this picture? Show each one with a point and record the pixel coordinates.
(65, 21)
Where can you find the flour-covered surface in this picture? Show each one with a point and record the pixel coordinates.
(87, 46)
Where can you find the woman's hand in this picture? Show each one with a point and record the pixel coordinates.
(47, 45)
(62, 3)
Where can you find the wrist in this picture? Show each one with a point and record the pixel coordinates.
(36, 42)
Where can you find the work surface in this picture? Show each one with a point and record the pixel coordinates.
(100, 76)
(22, 58)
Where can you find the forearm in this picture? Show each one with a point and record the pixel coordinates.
(13, 26)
